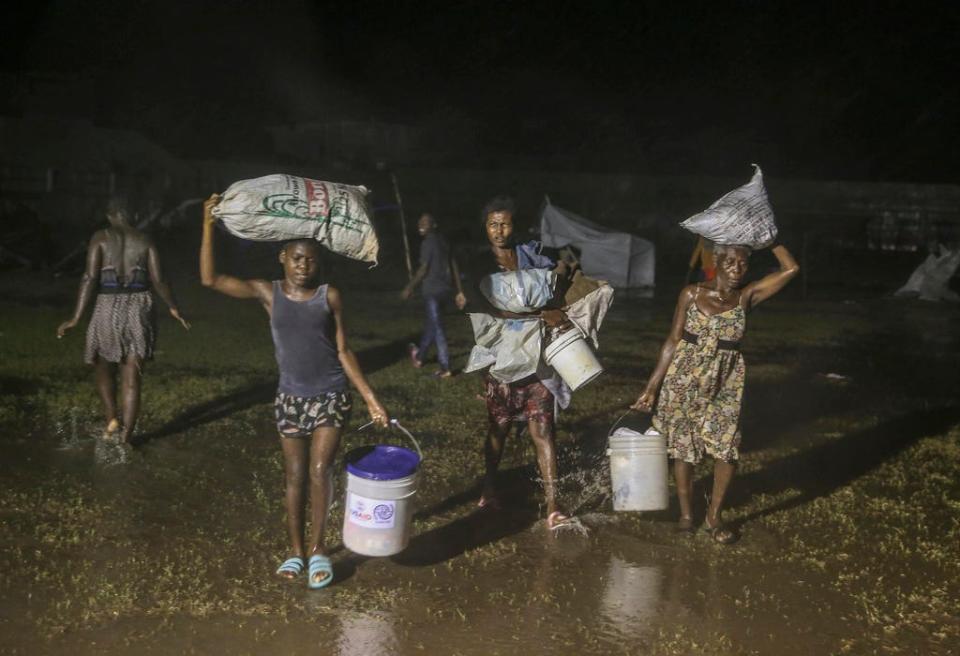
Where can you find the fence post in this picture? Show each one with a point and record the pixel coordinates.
(403, 226)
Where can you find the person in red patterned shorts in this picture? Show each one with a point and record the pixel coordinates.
(526, 400)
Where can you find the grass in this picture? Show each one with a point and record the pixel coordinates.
(848, 495)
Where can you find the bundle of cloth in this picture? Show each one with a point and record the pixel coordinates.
(513, 348)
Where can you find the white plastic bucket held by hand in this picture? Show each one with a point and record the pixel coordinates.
(571, 356)
(381, 486)
(638, 470)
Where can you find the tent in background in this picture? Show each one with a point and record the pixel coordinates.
(931, 280)
(620, 258)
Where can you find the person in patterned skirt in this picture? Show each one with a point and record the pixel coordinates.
(122, 266)
(313, 400)
(700, 377)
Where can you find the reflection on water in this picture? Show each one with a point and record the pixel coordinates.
(632, 598)
(366, 634)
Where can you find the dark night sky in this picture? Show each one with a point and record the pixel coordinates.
(844, 90)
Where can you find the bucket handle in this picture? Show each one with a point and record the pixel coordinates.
(397, 424)
(617, 422)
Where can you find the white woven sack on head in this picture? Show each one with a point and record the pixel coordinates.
(280, 207)
(742, 217)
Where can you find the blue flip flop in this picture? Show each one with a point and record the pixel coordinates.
(292, 566)
(318, 564)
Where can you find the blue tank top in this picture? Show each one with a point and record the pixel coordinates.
(305, 344)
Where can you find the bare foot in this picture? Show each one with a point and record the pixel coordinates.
(489, 501)
(488, 497)
(113, 426)
(414, 352)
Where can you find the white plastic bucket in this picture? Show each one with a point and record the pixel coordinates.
(573, 359)
(638, 470)
(380, 498)
(376, 520)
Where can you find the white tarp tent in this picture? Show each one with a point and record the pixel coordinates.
(620, 258)
(931, 280)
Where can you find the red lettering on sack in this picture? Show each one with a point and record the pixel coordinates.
(318, 202)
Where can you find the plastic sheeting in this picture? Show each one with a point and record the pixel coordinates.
(588, 312)
(620, 258)
(513, 348)
(524, 290)
(930, 281)
(510, 347)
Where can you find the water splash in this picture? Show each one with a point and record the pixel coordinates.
(69, 431)
(108, 453)
(586, 485)
(572, 525)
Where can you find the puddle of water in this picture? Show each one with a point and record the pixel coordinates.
(362, 634)
(627, 582)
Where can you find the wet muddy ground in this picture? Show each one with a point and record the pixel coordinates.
(848, 500)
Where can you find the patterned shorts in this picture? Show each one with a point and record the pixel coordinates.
(525, 400)
(299, 416)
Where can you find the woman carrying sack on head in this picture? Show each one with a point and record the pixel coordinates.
(699, 377)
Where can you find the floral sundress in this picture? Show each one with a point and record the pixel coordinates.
(699, 405)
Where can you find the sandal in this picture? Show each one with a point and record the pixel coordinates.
(720, 533)
(291, 568)
(319, 564)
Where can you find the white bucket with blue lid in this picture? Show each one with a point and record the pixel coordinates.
(381, 488)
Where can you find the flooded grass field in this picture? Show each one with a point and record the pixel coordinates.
(848, 499)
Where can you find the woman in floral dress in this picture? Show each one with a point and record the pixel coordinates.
(700, 377)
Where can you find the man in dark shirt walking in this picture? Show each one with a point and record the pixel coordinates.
(439, 275)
